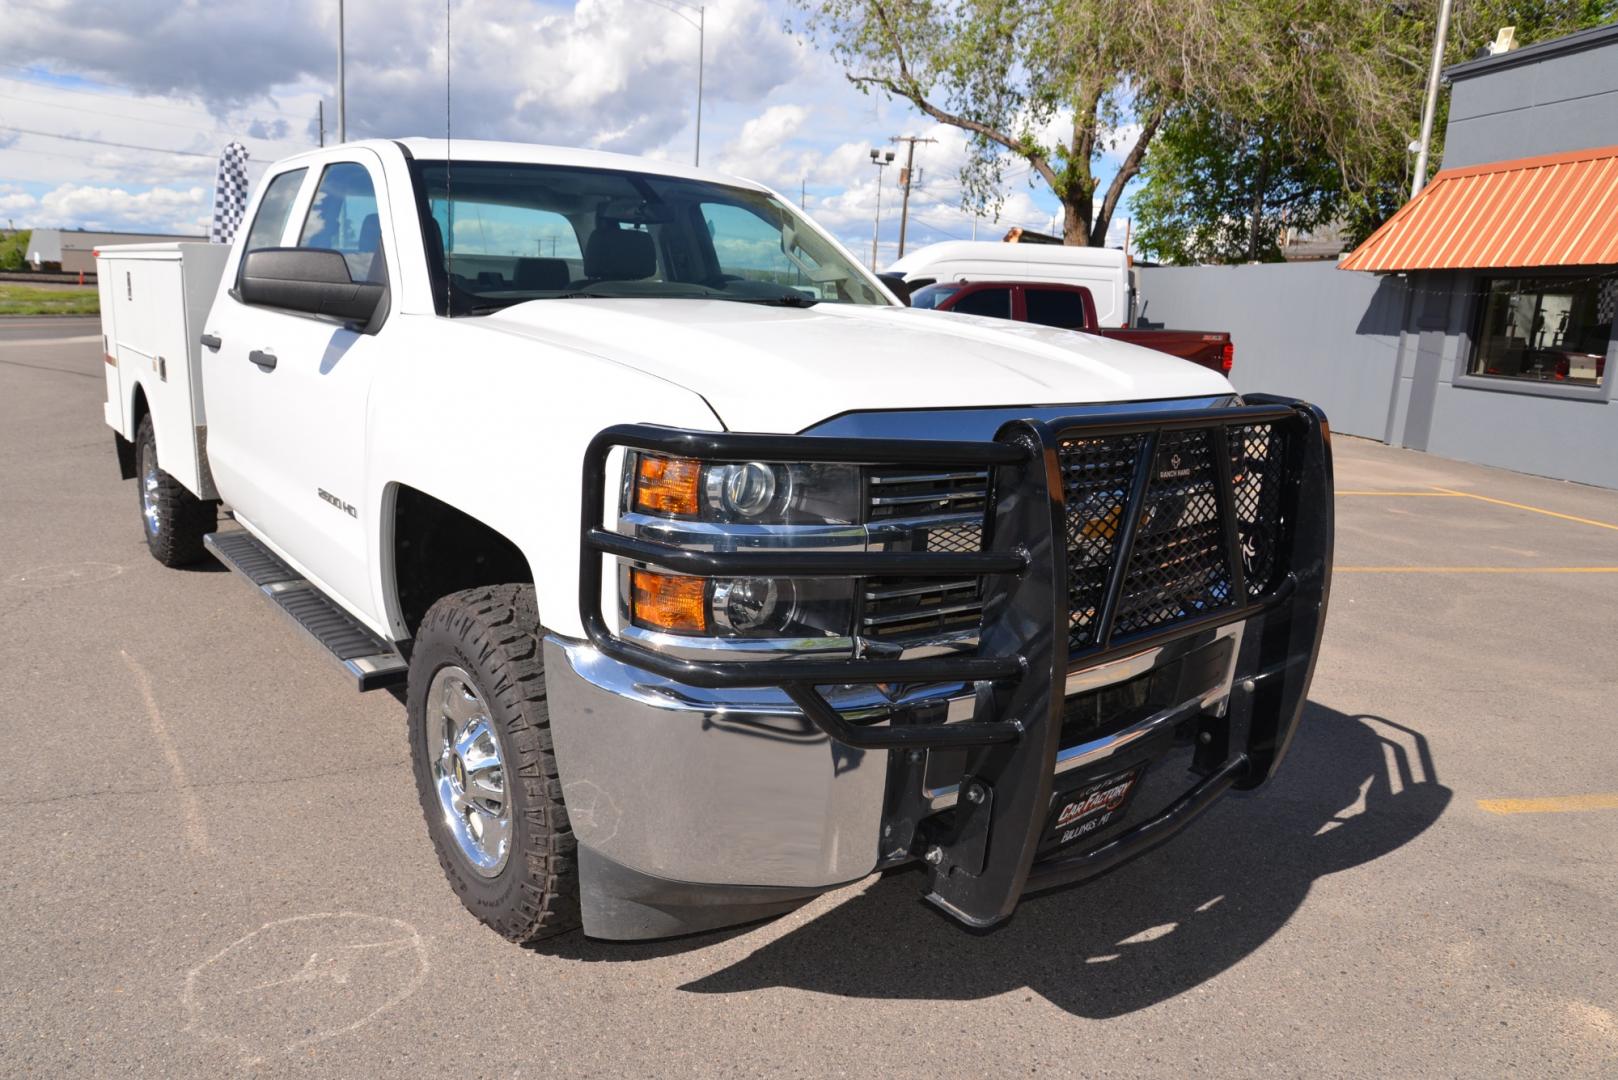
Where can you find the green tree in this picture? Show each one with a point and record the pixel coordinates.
(1326, 139)
(1221, 190)
(1102, 75)
(12, 250)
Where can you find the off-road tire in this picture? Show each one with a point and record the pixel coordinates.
(493, 634)
(182, 518)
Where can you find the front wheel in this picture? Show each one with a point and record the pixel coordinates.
(175, 521)
(480, 747)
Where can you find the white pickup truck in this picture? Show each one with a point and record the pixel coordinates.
(716, 577)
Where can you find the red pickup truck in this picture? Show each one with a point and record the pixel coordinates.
(1072, 308)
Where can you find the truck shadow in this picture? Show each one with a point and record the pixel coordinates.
(1353, 789)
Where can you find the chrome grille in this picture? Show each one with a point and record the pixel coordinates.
(920, 493)
(925, 511)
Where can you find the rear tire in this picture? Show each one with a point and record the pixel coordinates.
(173, 519)
(480, 747)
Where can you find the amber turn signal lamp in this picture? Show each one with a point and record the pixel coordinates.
(667, 485)
(669, 602)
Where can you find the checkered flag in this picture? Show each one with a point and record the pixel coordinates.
(229, 194)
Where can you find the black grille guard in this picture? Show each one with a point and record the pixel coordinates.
(986, 862)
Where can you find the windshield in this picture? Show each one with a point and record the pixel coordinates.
(504, 233)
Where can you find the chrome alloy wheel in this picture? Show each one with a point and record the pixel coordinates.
(149, 494)
(468, 772)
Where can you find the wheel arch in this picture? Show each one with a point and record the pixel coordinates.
(123, 443)
(431, 548)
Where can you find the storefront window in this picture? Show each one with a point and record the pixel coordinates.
(1554, 330)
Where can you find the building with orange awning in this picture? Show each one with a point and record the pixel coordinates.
(1508, 261)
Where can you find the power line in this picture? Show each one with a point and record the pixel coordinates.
(113, 115)
(105, 142)
(932, 224)
(128, 93)
(46, 153)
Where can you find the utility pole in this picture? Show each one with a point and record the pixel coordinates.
(881, 159)
(907, 174)
(320, 119)
(1431, 106)
(342, 88)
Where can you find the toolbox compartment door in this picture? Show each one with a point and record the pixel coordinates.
(154, 300)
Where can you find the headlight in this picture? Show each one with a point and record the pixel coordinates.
(747, 496)
(741, 607)
(744, 491)
(750, 492)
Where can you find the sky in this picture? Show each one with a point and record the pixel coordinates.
(112, 114)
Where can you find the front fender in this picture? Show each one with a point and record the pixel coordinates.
(496, 427)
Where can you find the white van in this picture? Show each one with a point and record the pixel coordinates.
(1104, 271)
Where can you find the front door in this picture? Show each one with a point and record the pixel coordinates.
(296, 396)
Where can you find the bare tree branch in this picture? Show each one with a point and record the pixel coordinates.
(1127, 171)
(943, 116)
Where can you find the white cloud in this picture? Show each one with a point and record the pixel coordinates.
(614, 74)
(86, 206)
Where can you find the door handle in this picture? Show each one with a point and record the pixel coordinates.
(210, 341)
(263, 358)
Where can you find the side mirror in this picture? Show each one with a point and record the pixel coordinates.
(312, 280)
(897, 286)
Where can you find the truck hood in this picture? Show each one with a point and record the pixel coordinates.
(779, 369)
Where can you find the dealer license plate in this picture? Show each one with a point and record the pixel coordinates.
(1084, 812)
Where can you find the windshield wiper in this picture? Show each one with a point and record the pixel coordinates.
(796, 301)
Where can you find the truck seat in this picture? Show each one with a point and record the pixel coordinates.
(534, 275)
(615, 254)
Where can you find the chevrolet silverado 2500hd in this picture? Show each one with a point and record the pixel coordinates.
(715, 577)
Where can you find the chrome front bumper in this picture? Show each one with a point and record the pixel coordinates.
(737, 787)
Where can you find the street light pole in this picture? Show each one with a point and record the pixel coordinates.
(342, 90)
(701, 23)
(1431, 106)
(881, 159)
(702, 55)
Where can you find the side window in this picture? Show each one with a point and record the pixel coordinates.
(343, 218)
(995, 303)
(1055, 307)
(273, 209)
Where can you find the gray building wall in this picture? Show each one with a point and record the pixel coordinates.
(1543, 99)
(1545, 429)
(1307, 330)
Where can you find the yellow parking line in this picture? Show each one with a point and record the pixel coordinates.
(1475, 569)
(1412, 494)
(1557, 804)
(1532, 509)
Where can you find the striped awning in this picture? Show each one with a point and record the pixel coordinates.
(1555, 210)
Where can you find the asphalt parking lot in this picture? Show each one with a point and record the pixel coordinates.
(213, 859)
